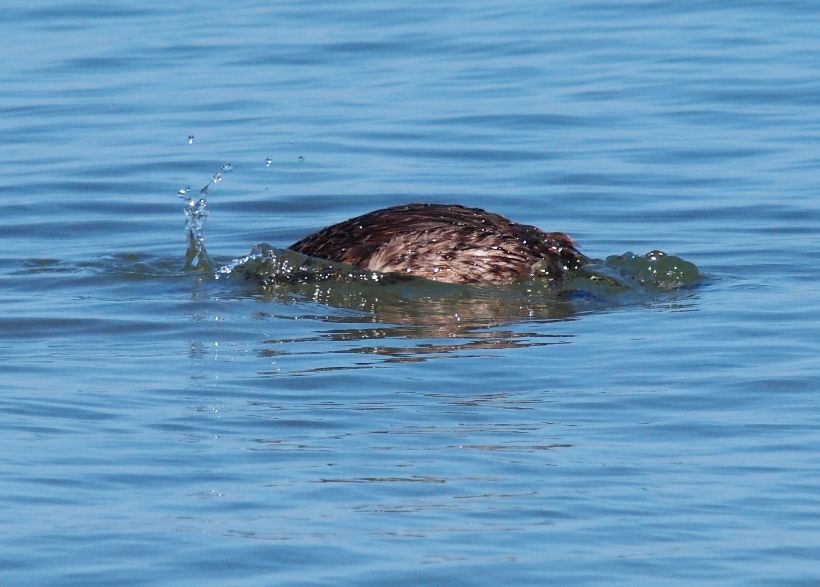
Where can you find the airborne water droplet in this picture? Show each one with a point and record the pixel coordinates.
(227, 167)
(301, 158)
(190, 139)
(217, 177)
(268, 162)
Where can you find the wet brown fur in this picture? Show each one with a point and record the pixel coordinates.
(447, 243)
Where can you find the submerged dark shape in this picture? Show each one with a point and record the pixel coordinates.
(448, 243)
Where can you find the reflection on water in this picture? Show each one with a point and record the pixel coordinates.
(390, 308)
(422, 342)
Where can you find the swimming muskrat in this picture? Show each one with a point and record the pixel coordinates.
(448, 243)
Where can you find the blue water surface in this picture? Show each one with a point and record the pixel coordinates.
(167, 428)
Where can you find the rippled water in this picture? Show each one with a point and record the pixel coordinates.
(165, 427)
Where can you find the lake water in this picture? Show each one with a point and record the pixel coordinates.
(163, 427)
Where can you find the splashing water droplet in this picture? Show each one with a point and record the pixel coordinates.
(182, 192)
(227, 168)
(268, 162)
(190, 139)
(301, 158)
(217, 177)
(196, 213)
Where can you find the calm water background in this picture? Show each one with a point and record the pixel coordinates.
(162, 428)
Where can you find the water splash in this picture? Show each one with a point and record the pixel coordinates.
(196, 213)
(218, 176)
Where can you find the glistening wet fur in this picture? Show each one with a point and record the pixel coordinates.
(449, 243)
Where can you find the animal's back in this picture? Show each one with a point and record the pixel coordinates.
(448, 243)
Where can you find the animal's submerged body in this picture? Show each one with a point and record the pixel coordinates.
(448, 243)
